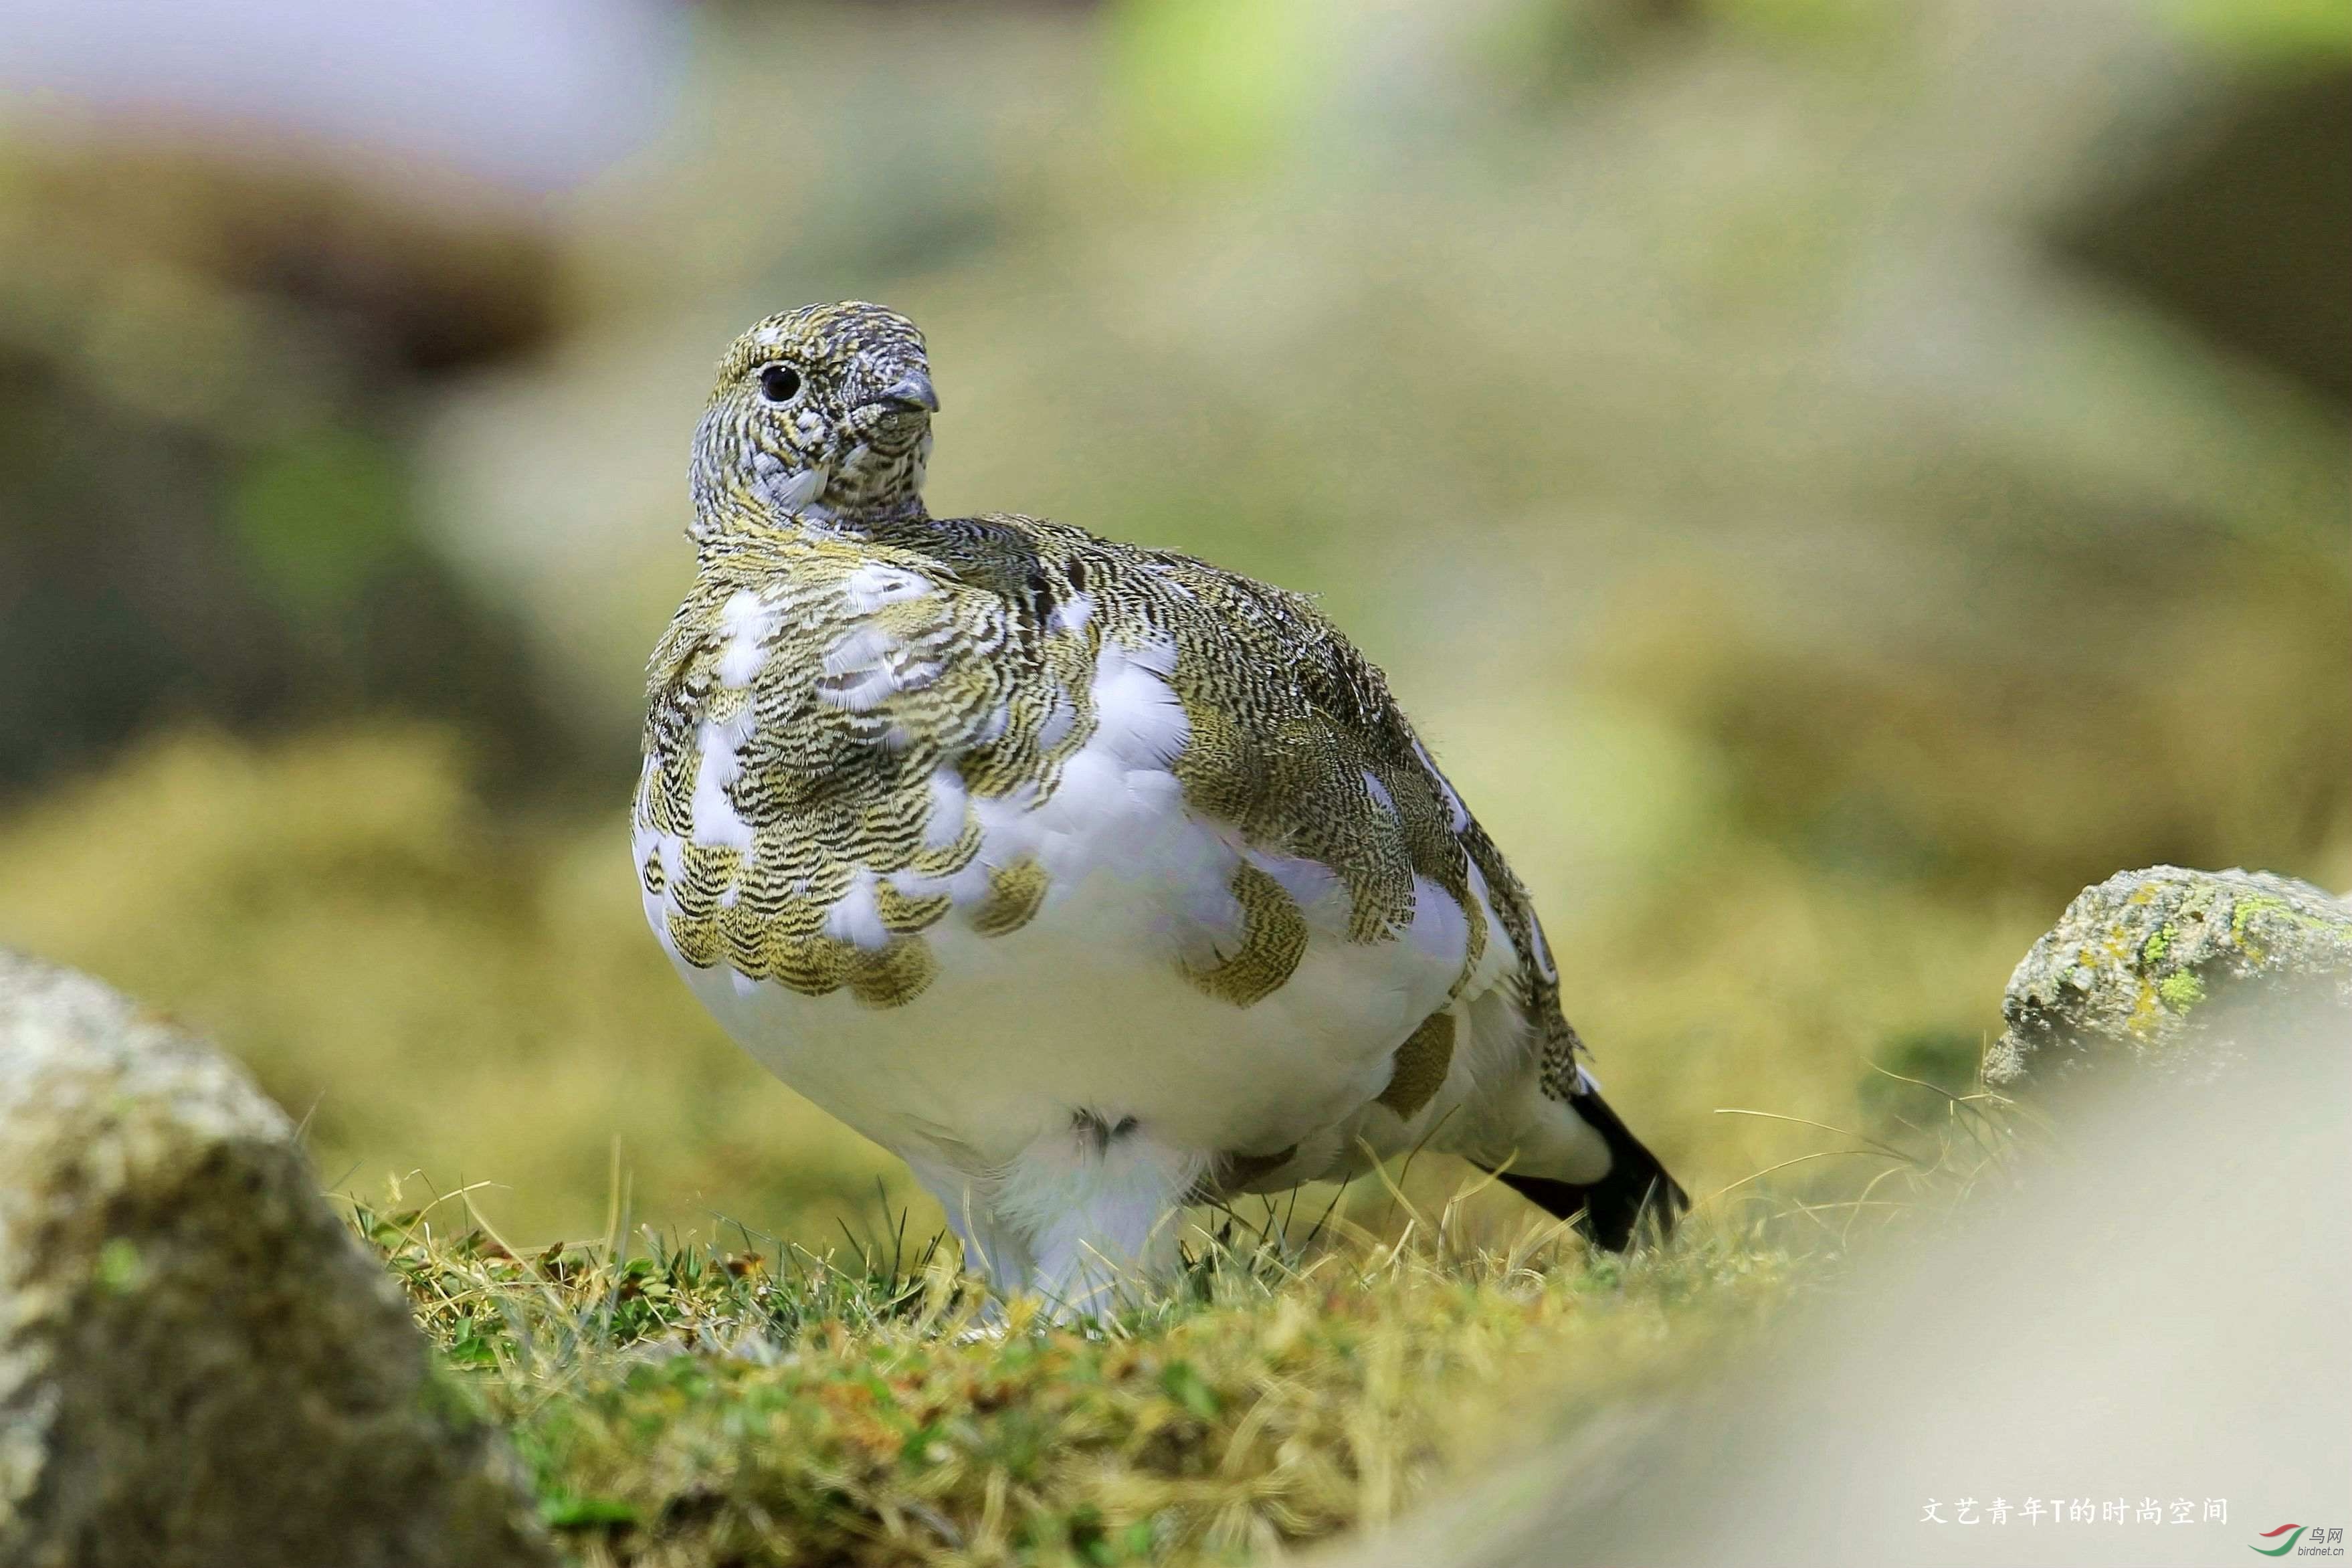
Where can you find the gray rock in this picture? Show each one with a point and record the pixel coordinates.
(2151, 964)
(198, 1363)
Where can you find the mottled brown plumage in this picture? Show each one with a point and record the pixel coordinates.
(881, 748)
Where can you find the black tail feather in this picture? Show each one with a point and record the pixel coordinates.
(1637, 1200)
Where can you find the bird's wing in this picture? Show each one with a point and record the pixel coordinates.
(1289, 734)
(1296, 737)
(845, 744)
(819, 723)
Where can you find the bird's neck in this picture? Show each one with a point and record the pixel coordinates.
(868, 520)
(729, 520)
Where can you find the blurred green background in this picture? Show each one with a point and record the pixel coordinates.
(1830, 477)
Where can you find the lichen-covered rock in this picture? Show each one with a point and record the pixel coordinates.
(198, 1364)
(2140, 963)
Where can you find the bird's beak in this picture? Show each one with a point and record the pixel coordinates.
(909, 394)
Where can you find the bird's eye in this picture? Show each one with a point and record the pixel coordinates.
(780, 384)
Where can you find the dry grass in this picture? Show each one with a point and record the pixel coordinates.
(694, 1404)
(691, 1404)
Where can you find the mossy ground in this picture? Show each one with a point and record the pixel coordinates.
(701, 1404)
(754, 1401)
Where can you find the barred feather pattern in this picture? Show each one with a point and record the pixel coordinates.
(1086, 878)
(838, 702)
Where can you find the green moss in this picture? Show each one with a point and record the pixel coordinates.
(2153, 951)
(2248, 906)
(845, 1412)
(2253, 905)
(119, 1269)
(2181, 992)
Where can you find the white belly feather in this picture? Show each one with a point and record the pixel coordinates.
(1084, 1009)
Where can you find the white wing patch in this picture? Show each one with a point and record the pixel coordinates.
(878, 582)
(949, 803)
(868, 666)
(1140, 720)
(856, 918)
(715, 818)
(749, 625)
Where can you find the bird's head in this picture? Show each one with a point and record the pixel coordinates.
(823, 414)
